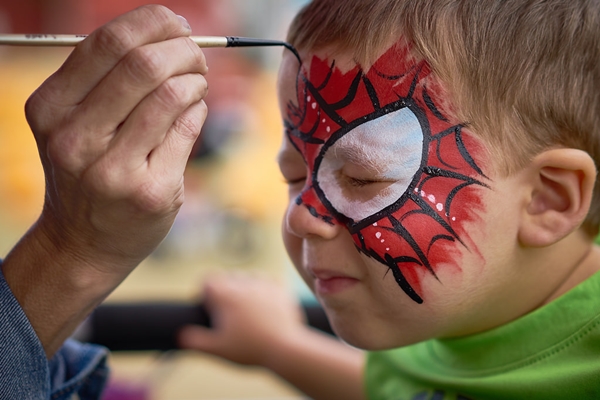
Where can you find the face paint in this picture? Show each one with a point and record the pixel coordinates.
(386, 163)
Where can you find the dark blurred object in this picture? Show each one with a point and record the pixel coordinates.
(154, 326)
(217, 130)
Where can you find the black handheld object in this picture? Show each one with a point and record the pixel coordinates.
(154, 326)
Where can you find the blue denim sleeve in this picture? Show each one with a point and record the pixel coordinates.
(26, 373)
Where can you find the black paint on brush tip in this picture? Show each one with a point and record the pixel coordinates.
(236, 41)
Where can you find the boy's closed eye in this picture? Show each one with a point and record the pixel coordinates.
(292, 167)
(361, 184)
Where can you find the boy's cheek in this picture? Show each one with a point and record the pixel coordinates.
(380, 316)
(415, 235)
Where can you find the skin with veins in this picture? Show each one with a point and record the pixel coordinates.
(385, 162)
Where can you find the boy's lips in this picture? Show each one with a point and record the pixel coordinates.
(331, 282)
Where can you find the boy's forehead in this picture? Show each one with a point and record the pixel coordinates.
(289, 67)
(403, 60)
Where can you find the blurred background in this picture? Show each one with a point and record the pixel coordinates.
(235, 195)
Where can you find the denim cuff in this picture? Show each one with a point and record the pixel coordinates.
(26, 373)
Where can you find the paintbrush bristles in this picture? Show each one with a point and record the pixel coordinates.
(72, 40)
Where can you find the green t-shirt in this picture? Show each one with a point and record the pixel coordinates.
(550, 353)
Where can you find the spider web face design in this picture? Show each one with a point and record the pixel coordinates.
(425, 165)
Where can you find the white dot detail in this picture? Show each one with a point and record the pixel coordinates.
(439, 206)
(314, 105)
(308, 98)
(374, 223)
(378, 235)
(328, 129)
(453, 218)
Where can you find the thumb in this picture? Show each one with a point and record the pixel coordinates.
(198, 338)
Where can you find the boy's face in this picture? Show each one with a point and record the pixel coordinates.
(390, 215)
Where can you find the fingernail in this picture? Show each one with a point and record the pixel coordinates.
(184, 22)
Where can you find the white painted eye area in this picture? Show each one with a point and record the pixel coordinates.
(389, 149)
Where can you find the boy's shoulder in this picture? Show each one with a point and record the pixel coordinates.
(551, 352)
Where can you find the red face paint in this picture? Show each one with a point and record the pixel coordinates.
(386, 163)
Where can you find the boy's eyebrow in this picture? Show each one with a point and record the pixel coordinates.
(350, 153)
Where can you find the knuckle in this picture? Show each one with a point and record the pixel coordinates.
(103, 179)
(202, 109)
(63, 151)
(174, 92)
(114, 39)
(145, 65)
(202, 86)
(188, 126)
(197, 55)
(160, 13)
(33, 109)
(180, 92)
(152, 198)
(190, 123)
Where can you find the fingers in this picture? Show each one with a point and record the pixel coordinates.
(144, 94)
(98, 54)
(114, 127)
(155, 181)
(249, 317)
(140, 72)
(199, 338)
(151, 179)
(165, 124)
(173, 153)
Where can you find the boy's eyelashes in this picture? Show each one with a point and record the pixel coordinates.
(357, 182)
(345, 179)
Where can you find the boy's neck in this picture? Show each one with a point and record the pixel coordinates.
(586, 262)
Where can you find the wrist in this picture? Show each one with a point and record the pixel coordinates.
(56, 287)
(287, 346)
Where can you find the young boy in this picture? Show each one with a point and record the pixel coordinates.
(441, 160)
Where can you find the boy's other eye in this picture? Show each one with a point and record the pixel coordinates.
(295, 181)
(291, 165)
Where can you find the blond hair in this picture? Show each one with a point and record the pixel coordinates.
(523, 74)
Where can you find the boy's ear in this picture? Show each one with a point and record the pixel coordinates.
(562, 184)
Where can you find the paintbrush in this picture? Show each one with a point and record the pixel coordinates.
(202, 41)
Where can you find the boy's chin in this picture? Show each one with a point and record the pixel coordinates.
(372, 337)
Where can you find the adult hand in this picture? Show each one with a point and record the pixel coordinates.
(114, 127)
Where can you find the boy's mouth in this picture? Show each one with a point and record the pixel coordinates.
(330, 282)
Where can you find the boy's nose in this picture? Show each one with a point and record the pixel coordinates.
(301, 222)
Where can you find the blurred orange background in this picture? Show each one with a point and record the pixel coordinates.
(235, 195)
